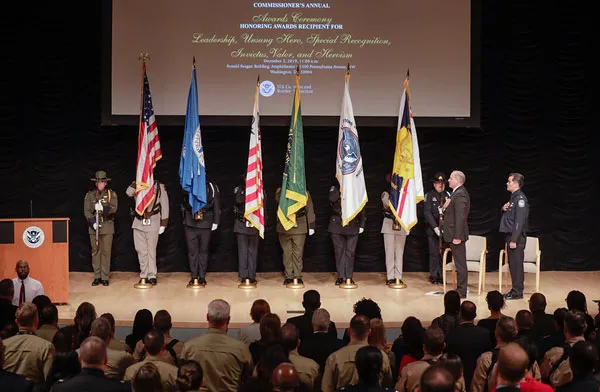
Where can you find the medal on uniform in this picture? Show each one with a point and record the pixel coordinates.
(396, 225)
(199, 215)
(146, 221)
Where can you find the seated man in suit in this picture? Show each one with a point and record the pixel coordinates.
(319, 345)
(311, 302)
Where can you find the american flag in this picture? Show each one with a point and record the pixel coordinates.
(148, 150)
(254, 209)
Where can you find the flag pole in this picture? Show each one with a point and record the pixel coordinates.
(258, 79)
(348, 72)
(142, 56)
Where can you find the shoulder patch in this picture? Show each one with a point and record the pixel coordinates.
(521, 203)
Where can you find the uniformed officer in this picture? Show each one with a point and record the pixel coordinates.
(292, 240)
(514, 224)
(247, 237)
(198, 228)
(147, 228)
(344, 238)
(99, 208)
(394, 239)
(434, 199)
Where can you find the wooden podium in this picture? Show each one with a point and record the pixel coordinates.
(44, 243)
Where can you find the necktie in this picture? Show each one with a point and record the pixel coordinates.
(22, 293)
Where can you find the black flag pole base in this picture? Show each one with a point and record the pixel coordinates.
(397, 284)
(348, 284)
(143, 284)
(247, 285)
(195, 285)
(295, 284)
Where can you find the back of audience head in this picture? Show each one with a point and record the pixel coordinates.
(111, 320)
(576, 301)
(360, 328)
(64, 366)
(532, 353)
(84, 317)
(27, 316)
(412, 335)
(321, 320)
(559, 316)
(289, 336)
(101, 329)
(142, 323)
(154, 342)
(285, 378)
(506, 329)
(270, 328)
(147, 379)
(524, 320)
(367, 307)
(92, 353)
(63, 341)
(260, 307)
(537, 303)
(437, 378)
(40, 301)
(369, 362)
(453, 363)
(575, 323)
(377, 338)
(7, 289)
(49, 315)
(434, 341)
(583, 358)
(189, 376)
(452, 302)
(468, 311)
(273, 355)
(162, 321)
(512, 364)
(495, 301)
(218, 314)
(9, 330)
(311, 300)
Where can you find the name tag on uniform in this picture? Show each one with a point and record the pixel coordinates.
(146, 222)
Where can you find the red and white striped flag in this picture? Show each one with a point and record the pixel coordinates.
(148, 150)
(255, 209)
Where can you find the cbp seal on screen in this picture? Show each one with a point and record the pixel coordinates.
(267, 88)
(349, 150)
(33, 237)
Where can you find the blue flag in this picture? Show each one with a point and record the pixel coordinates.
(192, 170)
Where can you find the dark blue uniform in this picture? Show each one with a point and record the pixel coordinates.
(514, 224)
(247, 237)
(433, 201)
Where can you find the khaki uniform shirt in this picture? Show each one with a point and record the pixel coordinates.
(117, 362)
(226, 362)
(340, 369)
(308, 370)
(108, 197)
(481, 377)
(563, 373)
(28, 355)
(168, 373)
(157, 220)
(411, 373)
(139, 353)
(47, 332)
(118, 345)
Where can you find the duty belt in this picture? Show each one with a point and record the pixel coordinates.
(152, 213)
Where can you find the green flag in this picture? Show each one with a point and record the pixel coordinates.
(293, 195)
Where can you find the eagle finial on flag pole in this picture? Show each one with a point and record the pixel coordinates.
(258, 79)
(144, 56)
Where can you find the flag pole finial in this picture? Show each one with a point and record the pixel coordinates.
(194, 61)
(407, 73)
(348, 69)
(144, 56)
(258, 79)
(298, 70)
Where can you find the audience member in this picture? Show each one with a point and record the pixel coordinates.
(437, 378)
(408, 347)
(9, 330)
(7, 309)
(365, 307)
(496, 302)
(320, 344)
(148, 379)
(117, 361)
(115, 344)
(468, 341)
(433, 346)
(251, 333)
(525, 322)
(40, 302)
(454, 365)
(555, 339)
(340, 370)
(555, 367)
(449, 319)
(49, 322)
(173, 347)
(189, 376)
(543, 324)
(378, 339)
(63, 341)
(311, 301)
(308, 370)
(274, 355)
(92, 354)
(369, 363)
(225, 361)
(583, 359)
(65, 366)
(10, 381)
(285, 378)
(80, 330)
(154, 343)
(576, 301)
(27, 354)
(25, 287)
(270, 331)
(142, 324)
(512, 365)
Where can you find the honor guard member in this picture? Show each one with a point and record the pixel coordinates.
(99, 208)
(434, 200)
(247, 237)
(198, 228)
(344, 238)
(514, 224)
(292, 240)
(147, 228)
(394, 239)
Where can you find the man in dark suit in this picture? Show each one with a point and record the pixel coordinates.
(92, 354)
(468, 341)
(11, 381)
(512, 365)
(543, 324)
(311, 301)
(320, 344)
(7, 309)
(456, 228)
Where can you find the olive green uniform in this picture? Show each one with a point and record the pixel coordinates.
(101, 250)
(168, 372)
(29, 356)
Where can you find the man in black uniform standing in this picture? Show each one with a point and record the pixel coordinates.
(345, 238)
(434, 199)
(198, 228)
(514, 224)
(247, 237)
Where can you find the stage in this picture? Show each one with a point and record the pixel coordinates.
(188, 307)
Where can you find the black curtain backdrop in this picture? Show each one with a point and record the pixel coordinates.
(536, 119)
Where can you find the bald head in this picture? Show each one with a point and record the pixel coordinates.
(512, 364)
(285, 378)
(537, 303)
(289, 336)
(92, 353)
(22, 269)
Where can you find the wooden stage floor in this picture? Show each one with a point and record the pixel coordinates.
(188, 307)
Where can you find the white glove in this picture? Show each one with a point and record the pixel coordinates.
(98, 206)
(95, 226)
(360, 230)
(311, 231)
(161, 230)
(214, 226)
(437, 231)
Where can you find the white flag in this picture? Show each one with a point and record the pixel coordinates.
(349, 165)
